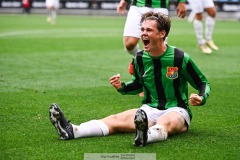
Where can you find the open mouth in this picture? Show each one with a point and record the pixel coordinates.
(145, 42)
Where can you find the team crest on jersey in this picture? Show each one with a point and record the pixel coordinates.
(172, 72)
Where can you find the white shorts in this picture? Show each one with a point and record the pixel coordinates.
(198, 6)
(52, 3)
(132, 25)
(154, 113)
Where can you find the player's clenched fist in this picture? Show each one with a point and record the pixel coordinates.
(115, 81)
(195, 100)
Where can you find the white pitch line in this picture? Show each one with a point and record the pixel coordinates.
(89, 32)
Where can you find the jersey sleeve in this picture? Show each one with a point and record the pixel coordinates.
(131, 88)
(197, 80)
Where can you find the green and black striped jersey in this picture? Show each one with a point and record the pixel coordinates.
(165, 79)
(153, 3)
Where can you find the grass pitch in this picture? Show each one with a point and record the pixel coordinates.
(70, 63)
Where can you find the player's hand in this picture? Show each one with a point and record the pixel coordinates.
(122, 7)
(115, 81)
(195, 100)
(181, 10)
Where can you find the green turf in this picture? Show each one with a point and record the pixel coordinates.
(70, 63)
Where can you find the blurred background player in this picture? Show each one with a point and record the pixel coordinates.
(26, 6)
(52, 8)
(132, 27)
(198, 7)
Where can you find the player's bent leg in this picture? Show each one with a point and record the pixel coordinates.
(169, 124)
(211, 12)
(209, 28)
(198, 27)
(60, 122)
(210, 25)
(131, 45)
(174, 122)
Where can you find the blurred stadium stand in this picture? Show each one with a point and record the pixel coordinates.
(226, 8)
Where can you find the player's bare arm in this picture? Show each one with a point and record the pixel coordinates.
(122, 7)
(195, 99)
(115, 81)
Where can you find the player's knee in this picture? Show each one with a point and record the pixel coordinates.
(199, 16)
(130, 46)
(164, 122)
(173, 124)
(110, 121)
(177, 125)
(212, 12)
(130, 43)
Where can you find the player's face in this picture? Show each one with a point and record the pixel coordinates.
(151, 37)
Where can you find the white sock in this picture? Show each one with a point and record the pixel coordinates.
(49, 13)
(134, 51)
(210, 23)
(198, 27)
(90, 129)
(54, 14)
(157, 133)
